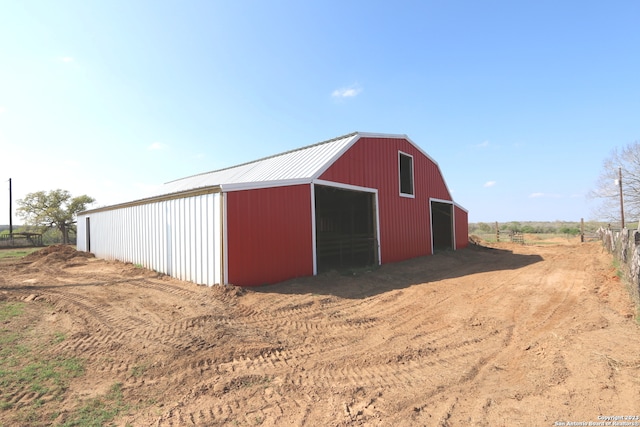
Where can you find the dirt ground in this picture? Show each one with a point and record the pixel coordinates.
(514, 335)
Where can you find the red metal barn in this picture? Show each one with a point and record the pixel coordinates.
(356, 200)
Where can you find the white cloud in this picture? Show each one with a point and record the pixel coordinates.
(535, 195)
(157, 146)
(489, 184)
(66, 59)
(2, 110)
(346, 92)
(483, 144)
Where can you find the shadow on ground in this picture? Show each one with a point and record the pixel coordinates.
(363, 283)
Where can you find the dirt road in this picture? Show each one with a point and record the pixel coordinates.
(511, 335)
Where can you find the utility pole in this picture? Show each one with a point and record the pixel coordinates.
(621, 199)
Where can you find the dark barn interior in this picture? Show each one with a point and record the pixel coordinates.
(345, 228)
(442, 225)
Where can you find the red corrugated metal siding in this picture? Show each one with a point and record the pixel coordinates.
(462, 228)
(404, 222)
(269, 235)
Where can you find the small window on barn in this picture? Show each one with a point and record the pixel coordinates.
(406, 174)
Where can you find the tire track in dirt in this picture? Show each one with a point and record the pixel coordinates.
(442, 352)
(91, 312)
(109, 330)
(477, 342)
(157, 285)
(534, 319)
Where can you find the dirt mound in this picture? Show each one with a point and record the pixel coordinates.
(475, 240)
(56, 254)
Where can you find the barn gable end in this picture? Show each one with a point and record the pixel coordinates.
(405, 230)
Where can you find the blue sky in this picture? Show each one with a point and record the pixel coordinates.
(519, 102)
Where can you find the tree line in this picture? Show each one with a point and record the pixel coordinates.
(536, 227)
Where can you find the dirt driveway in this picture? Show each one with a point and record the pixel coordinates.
(512, 335)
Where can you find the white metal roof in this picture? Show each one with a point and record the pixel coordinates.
(292, 167)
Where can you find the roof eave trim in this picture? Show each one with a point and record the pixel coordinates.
(459, 206)
(226, 188)
(154, 199)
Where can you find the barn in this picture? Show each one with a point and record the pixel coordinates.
(356, 200)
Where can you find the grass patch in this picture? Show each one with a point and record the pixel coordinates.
(58, 337)
(616, 266)
(43, 377)
(10, 309)
(32, 378)
(98, 411)
(139, 370)
(16, 253)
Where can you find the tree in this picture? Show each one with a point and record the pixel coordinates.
(514, 226)
(607, 191)
(53, 209)
(484, 227)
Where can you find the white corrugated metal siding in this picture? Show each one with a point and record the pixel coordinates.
(179, 237)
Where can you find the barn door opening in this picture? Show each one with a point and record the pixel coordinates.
(442, 225)
(88, 234)
(345, 228)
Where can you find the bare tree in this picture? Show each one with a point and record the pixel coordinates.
(607, 189)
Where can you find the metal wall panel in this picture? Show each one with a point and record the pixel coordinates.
(179, 237)
(404, 221)
(461, 227)
(269, 235)
(81, 235)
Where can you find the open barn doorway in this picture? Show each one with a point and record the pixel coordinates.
(346, 230)
(442, 225)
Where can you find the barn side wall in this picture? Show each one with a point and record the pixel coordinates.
(404, 222)
(180, 237)
(462, 227)
(269, 235)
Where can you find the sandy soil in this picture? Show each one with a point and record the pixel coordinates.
(510, 335)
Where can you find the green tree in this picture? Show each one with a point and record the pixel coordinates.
(527, 228)
(53, 209)
(484, 227)
(573, 231)
(514, 226)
